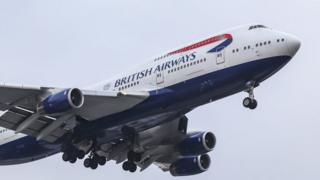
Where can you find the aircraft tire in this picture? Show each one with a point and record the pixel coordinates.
(133, 167)
(253, 104)
(73, 160)
(66, 157)
(87, 163)
(126, 166)
(81, 154)
(246, 102)
(94, 165)
(102, 161)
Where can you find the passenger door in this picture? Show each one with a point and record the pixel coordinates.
(159, 78)
(220, 56)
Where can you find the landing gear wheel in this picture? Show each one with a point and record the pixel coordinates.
(94, 165)
(129, 166)
(246, 102)
(253, 104)
(250, 103)
(73, 160)
(65, 157)
(81, 154)
(102, 161)
(87, 163)
(133, 168)
(126, 166)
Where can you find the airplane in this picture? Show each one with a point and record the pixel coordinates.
(138, 118)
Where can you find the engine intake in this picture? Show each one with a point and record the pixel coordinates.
(197, 143)
(190, 165)
(63, 101)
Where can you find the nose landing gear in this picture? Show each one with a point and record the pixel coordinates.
(250, 102)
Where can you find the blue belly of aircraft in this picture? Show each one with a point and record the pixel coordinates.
(188, 94)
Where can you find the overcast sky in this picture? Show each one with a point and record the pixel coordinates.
(75, 43)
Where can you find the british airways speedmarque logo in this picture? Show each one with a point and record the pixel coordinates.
(227, 40)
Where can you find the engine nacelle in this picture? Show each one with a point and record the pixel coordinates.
(63, 101)
(197, 143)
(190, 165)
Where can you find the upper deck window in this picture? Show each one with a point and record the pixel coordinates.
(256, 27)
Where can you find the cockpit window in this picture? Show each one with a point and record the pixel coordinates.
(256, 27)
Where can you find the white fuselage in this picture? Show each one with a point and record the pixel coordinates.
(232, 55)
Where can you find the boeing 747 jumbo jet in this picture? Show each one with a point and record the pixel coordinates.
(138, 118)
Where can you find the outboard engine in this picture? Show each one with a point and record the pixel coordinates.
(197, 143)
(190, 165)
(63, 101)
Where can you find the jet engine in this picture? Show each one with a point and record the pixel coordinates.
(63, 101)
(190, 165)
(197, 143)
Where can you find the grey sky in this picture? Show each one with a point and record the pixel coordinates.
(79, 42)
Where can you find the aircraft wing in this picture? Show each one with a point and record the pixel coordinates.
(20, 110)
(18, 96)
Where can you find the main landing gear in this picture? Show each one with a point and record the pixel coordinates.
(93, 161)
(71, 154)
(133, 158)
(250, 102)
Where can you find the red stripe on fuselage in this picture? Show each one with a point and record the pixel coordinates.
(202, 43)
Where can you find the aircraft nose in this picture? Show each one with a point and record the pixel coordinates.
(293, 44)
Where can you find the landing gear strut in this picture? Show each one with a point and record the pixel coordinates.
(250, 102)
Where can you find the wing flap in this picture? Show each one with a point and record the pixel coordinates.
(18, 95)
(13, 118)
